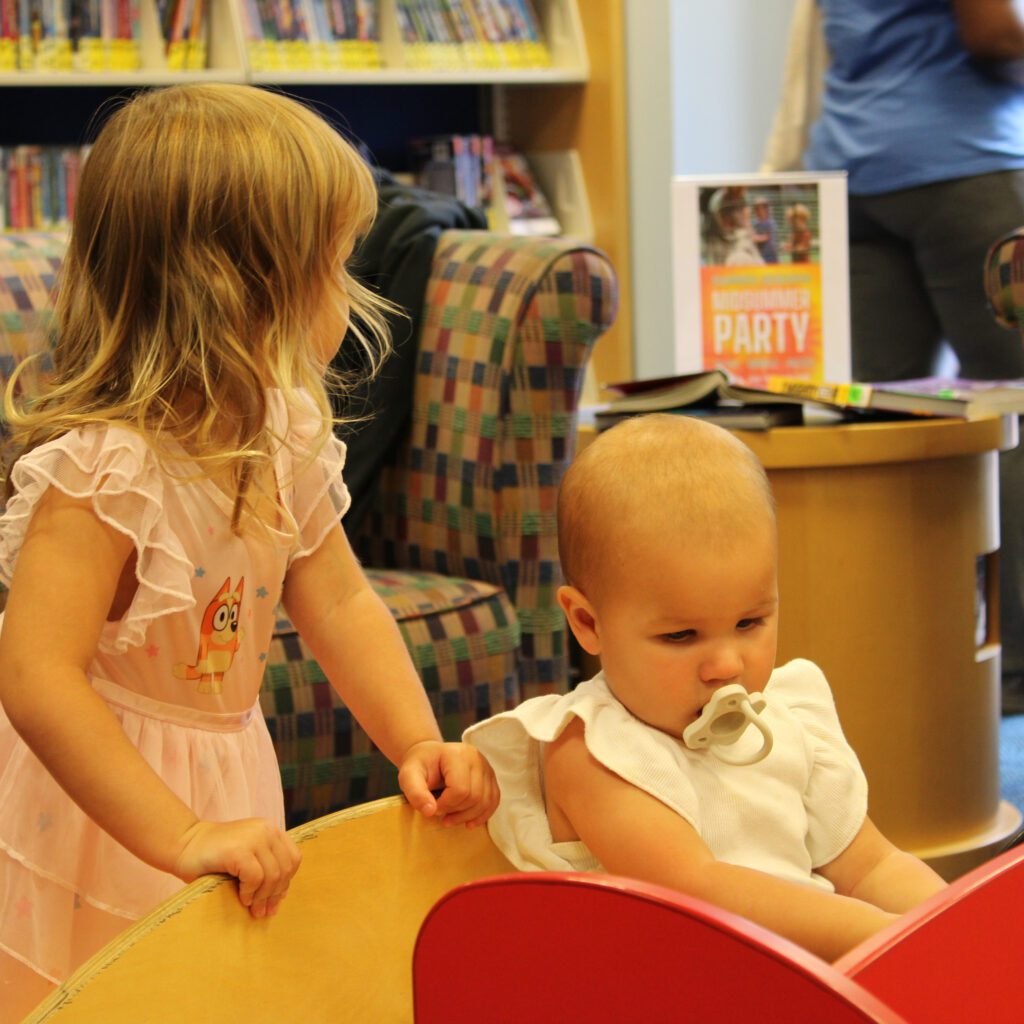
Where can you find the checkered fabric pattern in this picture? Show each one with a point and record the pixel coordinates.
(1004, 279)
(464, 529)
(509, 325)
(28, 269)
(463, 636)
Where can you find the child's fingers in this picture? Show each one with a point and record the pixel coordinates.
(270, 883)
(412, 777)
(459, 784)
(470, 787)
(265, 872)
(249, 871)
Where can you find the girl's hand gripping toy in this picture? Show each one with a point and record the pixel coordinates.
(724, 719)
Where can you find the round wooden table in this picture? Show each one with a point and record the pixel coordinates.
(888, 575)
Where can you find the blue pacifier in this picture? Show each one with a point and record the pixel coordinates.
(724, 719)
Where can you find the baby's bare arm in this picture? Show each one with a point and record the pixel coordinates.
(634, 834)
(874, 870)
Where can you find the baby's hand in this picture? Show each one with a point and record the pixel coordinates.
(470, 789)
(260, 856)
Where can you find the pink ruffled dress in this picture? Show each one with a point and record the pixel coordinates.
(182, 680)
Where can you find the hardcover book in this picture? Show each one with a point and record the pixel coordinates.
(760, 276)
(924, 396)
(709, 395)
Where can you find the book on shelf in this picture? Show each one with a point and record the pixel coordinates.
(183, 25)
(924, 396)
(524, 203)
(760, 275)
(480, 174)
(38, 186)
(459, 34)
(312, 35)
(456, 165)
(710, 395)
(69, 35)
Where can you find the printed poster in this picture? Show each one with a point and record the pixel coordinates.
(761, 276)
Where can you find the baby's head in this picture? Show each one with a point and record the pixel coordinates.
(207, 253)
(667, 538)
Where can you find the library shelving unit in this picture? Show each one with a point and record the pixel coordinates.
(569, 117)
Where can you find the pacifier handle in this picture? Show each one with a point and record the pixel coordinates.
(724, 719)
(767, 741)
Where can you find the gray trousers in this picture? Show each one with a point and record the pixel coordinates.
(916, 264)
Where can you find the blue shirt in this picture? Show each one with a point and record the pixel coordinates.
(905, 104)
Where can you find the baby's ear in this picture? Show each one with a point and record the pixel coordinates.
(579, 613)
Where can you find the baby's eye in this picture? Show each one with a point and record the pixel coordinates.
(679, 636)
(749, 623)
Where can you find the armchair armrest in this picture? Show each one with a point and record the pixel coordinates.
(1004, 279)
(508, 327)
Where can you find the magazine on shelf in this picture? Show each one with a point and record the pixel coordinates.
(924, 396)
(760, 275)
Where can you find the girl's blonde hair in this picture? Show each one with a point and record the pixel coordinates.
(210, 230)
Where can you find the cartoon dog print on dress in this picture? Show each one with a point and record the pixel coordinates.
(219, 638)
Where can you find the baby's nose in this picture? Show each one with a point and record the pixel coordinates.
(722, 665)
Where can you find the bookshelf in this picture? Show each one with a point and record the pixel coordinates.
(229, 58)
(569, 117)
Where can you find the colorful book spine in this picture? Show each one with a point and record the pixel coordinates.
(176, 44)
(8, 35)
(38, 186)
(198, 36)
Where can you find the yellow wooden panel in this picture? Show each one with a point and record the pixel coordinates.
(340, 948)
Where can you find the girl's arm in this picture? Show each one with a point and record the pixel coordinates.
(64, 582)
(356, 642)
(634, 834)
(990, 29)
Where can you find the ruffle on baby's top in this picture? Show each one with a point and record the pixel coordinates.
(513, 741)
(836, 798)
(118, 473)
(315, 490)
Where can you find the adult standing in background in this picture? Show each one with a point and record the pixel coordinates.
(923, 106)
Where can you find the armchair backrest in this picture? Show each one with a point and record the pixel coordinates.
(508, 327)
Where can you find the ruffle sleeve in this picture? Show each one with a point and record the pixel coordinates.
(836, 798)
(512, 743)
(317, 491)
(118, 473)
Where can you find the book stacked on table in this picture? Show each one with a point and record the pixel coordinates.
(923, 396)
(788, 401)
(710, 396)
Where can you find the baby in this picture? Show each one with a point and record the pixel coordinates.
(668, 543)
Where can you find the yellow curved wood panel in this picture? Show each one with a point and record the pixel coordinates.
(339, 949)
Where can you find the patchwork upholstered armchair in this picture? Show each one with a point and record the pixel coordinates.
(461, 544)
(1004, 279)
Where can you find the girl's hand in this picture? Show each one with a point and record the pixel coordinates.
(260, 856)
(470, 789)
